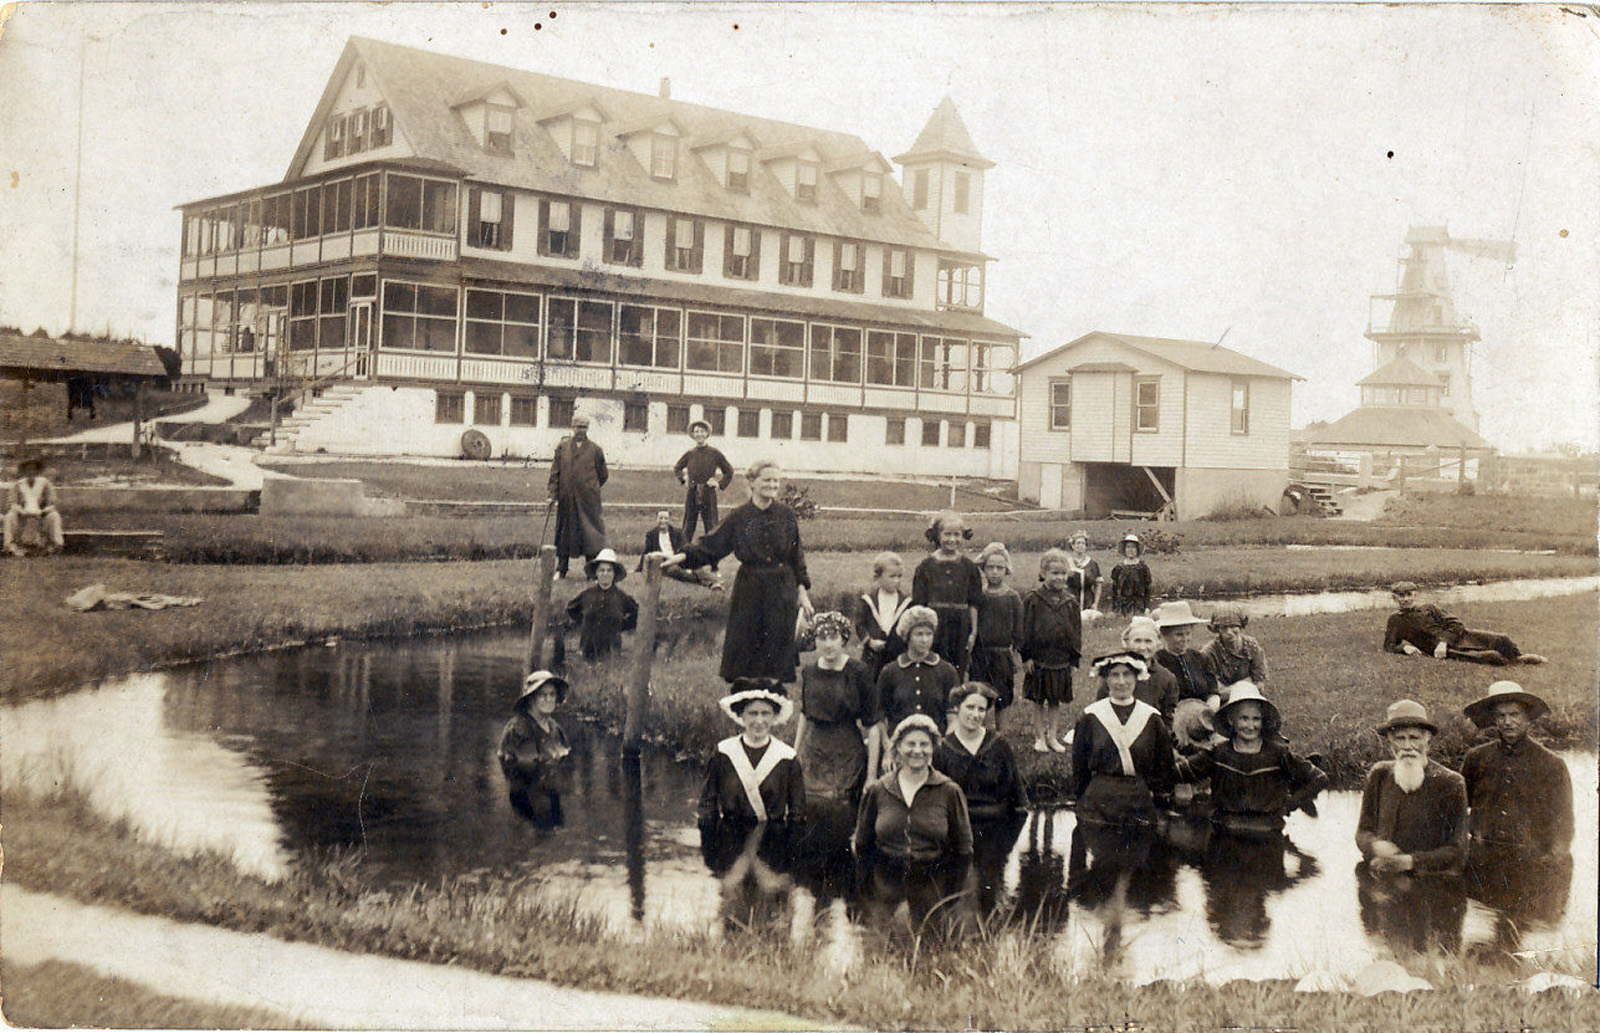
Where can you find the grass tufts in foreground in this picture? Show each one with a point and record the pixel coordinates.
(504, 925)
(57, 994)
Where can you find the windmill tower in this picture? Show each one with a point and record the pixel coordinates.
(1423, 326)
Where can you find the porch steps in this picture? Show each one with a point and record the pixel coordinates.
(315, 409)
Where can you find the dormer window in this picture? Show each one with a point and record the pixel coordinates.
(497, 130)
(739, 171)
(805, 182)
(585, 142)
(358, 131)
(871, 193)
(663, 156)
(333, 146)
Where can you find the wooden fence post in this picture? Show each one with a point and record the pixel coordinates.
(644, 654)
(534, 660)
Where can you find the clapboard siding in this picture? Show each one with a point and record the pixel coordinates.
(1212, 443)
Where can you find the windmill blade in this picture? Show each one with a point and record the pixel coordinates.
(1500, 250)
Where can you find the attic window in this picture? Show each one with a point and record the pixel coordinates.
(739, 170)
(663, 156)
(358, 131)
(361, 76)
(497, 133)
(333, 147)
(381, 129)
(585, 142)
(871, 193)
(805, 182)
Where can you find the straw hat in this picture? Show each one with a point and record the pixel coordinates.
(748, 690)
(1131, 537)
(1481, 711)
(700, 423)
(605, 556)
(1407, 713)
(1174, 615)
(1247, 692)
(538, 680)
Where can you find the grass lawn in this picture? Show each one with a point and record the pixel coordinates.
(156, 466)
(1561, 515)
(495, 481)
(57, 994)
(497, 925)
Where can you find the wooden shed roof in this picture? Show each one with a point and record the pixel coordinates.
(53, 358)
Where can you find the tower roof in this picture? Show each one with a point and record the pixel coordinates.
(946, 136)
(1400, 372)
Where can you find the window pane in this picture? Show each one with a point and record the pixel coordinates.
(594, 331)
(483, 338)
(436, 301)
(484, 304)
(522, 308)
(404, 210)
(440, 204)
(562, 327)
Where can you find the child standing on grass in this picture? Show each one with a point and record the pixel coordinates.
(602, 611)
(1130, 579)
(878, 610)
(1051, 646)
(999, 629)
(1084, 581)
(949, 584)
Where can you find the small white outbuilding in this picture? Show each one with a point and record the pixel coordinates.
(1112, 423)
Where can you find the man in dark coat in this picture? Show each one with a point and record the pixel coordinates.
(576, 474)
(704, 471)
(1426, 630)
(1520, 798)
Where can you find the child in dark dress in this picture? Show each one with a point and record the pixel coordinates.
(999, 629)
(950, 584)
(1130, 579)
(602, 612)
(1051, 646)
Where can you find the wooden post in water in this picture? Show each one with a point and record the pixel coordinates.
(534, 659)
(644, 654)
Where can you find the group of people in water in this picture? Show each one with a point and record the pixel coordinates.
(899, 789)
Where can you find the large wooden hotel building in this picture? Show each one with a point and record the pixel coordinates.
(461, 246)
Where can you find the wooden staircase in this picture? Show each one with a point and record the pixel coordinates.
(322, 403)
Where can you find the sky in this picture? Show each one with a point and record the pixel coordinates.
(1206, 172)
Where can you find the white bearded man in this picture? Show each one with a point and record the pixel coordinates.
(1413, 811)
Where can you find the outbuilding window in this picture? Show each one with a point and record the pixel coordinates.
(1147, 404)
(1240, 416)
(1060, 405)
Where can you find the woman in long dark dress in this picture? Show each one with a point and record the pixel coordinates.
(534, 755)
(771, 589)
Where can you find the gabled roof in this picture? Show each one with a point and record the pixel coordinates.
(1400, 372)
(946, 136)
(49, 358)
(788, 149)
(1396, 427)
(418, 86)
(570, 109)
(485, 92)
(639, 125)
(1102, 367)
(1198, 356)
(851, 162)
(724, 138)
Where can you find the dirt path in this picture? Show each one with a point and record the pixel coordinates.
(324, 987)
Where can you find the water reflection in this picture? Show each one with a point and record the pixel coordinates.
(387, 753)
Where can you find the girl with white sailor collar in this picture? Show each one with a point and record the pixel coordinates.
(753, 776)
(1122, 760)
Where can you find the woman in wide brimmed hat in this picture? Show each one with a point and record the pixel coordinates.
(603, 611)
(1233, 655)
(1122, 761)
(913, 836)
(1130, 578)
(1176, 622)
(1256, 780)
(534, 754)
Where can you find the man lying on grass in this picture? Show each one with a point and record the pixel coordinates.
(1426, 630)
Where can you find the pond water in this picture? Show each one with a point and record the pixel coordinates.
(1513, 590)
(384, 754)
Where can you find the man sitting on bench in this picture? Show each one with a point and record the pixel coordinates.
(30, 507)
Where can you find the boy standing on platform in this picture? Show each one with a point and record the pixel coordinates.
(704, 471)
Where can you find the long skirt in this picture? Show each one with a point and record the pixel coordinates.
(1117, 800)
(1048, 684)
(951, 636)
(762, 609)
(996, 668)
(834, 758)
